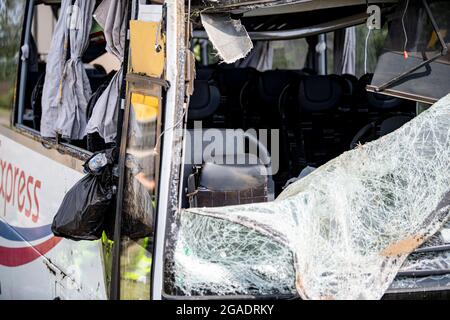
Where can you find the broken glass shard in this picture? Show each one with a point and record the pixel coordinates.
(342, 232)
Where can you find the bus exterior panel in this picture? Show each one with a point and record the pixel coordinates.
(34, 264)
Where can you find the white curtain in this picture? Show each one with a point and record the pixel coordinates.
(67, 89)
(112, 16)
(345, 51)
(55, 66)
(260, 58)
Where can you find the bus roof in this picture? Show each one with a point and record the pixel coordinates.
(273, 7)
(268, 7)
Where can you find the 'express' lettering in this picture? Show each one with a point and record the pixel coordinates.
(19, 190)
(37, 186)
(21, 199)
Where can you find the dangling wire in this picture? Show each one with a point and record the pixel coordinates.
(366, 45)
(405, 53)
(366, 50)
(155, 149)
(185, 111)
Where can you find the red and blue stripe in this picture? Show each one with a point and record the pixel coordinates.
(14, 257)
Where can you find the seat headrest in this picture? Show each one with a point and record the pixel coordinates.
(319, 93)
(377, 100)
(204, 73)
(205, 100)
(272, 83)
(351, 84)
(232, 80)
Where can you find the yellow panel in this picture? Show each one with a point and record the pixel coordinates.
(145, 107)
(143, 43)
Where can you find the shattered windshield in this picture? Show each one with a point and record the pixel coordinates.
(343, 232)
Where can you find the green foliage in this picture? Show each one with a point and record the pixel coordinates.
(290, 54)
(11, 15)
(6, 97)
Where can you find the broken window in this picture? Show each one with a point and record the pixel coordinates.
(64, 109)
(72, 73)
(343, 232)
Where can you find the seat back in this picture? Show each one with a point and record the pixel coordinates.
(233, 83)
(379, 128)
(226, 174)
(224, 185)
(265, 100)
(318, 99)
(204, 101)
(375, 100)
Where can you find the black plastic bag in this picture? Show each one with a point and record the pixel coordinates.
(82, 213)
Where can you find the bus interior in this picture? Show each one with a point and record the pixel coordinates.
(100, 67)
(321, 81)
(319, 108)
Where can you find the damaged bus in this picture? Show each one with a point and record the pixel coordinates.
(262, 149)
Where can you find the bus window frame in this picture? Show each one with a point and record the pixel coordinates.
(443, 52)
(19, 103)
(163, 236)
(22, 67)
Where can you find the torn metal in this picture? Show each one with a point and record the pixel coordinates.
(241, 4)
(342, 232)
(228, 36)
(281, 6)
(233, 4)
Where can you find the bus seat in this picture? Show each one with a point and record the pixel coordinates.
(204, 73)
(319, 94)
(222, 185)
(232, 83)
(375, 107)
(351, 117)
(271, 85)
(318, 99)
(204, 101)
(376, 100)
(375, 129)
(210, 181)
(391, 124)
(349, 89)
(352, 80)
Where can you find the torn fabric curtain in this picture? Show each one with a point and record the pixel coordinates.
(228, 36)
(260, 58)
(111, 15)
(350, 224)
(67, 90)
(345, 51)
(54, 70)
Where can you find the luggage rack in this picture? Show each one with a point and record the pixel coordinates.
(425, 63)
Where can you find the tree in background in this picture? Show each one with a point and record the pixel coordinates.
(11, 13)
